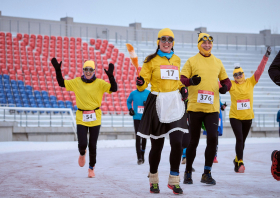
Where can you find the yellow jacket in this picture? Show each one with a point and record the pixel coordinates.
(151, 73)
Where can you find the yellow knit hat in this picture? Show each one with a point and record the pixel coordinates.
(89, 63)
(240, 80)
(203, 51)
(165, 32)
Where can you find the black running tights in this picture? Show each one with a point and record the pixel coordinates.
(82, 132)
(241, 130)
(175, 154)
(140, 142)
(211, 122)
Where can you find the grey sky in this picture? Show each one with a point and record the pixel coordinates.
(248, 16)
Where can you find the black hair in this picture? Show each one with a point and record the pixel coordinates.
(237, 67)
(151, 56)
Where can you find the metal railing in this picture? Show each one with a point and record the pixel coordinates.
(39, 117)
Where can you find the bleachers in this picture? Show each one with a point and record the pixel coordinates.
(28, 79)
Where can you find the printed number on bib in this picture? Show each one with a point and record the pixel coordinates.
(243, 104)
(205, 97)
(89, 116)
(140, 109)
(169, 72)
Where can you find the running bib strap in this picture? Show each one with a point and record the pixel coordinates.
(140, 109)
(169, 72)
(206, 97)
(89, 116)
(243, 104)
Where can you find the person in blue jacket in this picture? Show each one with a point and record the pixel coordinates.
(138, 98)
(220, 128)
(278, 120)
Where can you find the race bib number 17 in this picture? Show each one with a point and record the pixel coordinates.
(89, 116)
(169, 72)
(205, 97)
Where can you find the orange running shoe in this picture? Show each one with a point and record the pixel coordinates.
(82, 159)
(91, 173)
(215, 160)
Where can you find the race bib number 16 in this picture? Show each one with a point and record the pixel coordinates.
(205, 97)
(169, 72)
(243, 104)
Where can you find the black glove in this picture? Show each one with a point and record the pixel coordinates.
(223, 89)
(195, 80)
(223, 105)
(268, 51)
(55, 64)
(110, 71)
(184, 93)
(131, 112)
(140, 81)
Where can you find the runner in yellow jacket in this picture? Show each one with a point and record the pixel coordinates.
(241, 109)
(164, 113)
(89, 91)
(200, 74)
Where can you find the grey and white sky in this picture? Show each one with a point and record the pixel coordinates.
(243, 16)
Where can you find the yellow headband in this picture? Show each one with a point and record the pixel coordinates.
(165, 32)
(89, 63)
(199, 44)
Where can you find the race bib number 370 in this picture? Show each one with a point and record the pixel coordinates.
(243, 104)
(205, 97)
(89, 116)
(169, 72)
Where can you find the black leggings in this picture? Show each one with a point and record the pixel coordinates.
(140, 142)
(211, 122)
(241, 130)
(175, 154)
(82, 132)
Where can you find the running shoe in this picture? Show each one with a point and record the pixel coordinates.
(275, 167)
(82, 160)
(154, 188)
(176, 189)
(188, 178)
(184, 160)
(239, 166)
(207, 179)
(91, 173)
(140, 161)
(215, 160)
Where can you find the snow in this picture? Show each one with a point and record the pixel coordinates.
(50, 169)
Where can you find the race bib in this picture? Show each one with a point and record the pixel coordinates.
(243, 104)
(140, 109)
(169, 72)
(205, 97)
(89, 116)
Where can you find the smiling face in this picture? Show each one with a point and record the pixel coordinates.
(88, 72)
(165, 47)
(206, 45)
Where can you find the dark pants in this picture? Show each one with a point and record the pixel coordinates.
(211, 122)
(186, 140)
(175, 154)
(140, 142)
(241, 130)
(82, 132)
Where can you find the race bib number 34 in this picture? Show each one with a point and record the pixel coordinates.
(89, 116)
(205, 97)
(169, 72)
(243, 104)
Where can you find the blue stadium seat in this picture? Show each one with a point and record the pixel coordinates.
(1, 77)
(75, 108)
(28, 87)
(36, 92)
(31, 97)
(20, 82)
(3, 101)
(11, 101)
(13, 82)
(6, 76)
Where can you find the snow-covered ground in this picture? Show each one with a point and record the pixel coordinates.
(50, 169)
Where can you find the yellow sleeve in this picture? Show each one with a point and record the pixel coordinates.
(70, 85)
(252, 80)
(187, 70)
(146, 73)
(223, 74)
(106, 87)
